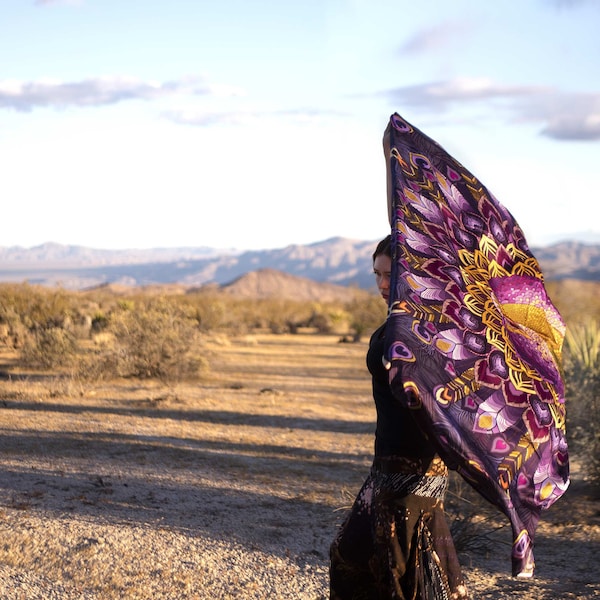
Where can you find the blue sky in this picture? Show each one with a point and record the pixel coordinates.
(256, 124)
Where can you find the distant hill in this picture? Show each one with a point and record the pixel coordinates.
(570, 260)
(269, 283)
(51, 253)
(339, 261)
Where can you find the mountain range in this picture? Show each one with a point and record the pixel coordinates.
(339, 261)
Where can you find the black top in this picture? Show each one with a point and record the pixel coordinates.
(397, 433)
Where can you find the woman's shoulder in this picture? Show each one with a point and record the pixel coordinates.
(379, 333)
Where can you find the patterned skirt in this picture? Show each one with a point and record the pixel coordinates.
(395, 542)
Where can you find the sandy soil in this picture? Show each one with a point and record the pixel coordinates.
(232, 488)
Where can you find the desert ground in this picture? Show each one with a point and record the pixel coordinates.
(229, 487)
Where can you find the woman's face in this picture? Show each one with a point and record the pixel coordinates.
(382, 267)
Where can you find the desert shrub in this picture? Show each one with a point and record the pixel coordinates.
(48, 309)
(37, 307)
(329, 318)
(242, 315)
(14, 308)
(13, 332)
(154, 339)
(213, 312)
(103, 361)
(49, 348)
(366, 314)
(126, 303)
(99, 322)
(321, 322)
(582, 378)
(39, 323)
(285, 316)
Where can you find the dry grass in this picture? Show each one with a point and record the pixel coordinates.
(129, 489)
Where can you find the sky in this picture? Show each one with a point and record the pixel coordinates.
(256, 124)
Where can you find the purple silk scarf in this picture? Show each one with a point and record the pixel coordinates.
(472, 335)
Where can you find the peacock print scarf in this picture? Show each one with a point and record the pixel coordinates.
(472, 335)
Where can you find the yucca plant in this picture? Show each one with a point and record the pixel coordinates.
(582, 343)
(582, 377)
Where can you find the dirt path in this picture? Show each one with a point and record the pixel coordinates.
(232, 488)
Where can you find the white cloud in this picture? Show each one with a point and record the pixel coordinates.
(566, 116)
(202, 118)
(569, 3)
(563, 116)
(574, 127)
(57, 2)
(432, 39)
(25, 96)
(440, 94)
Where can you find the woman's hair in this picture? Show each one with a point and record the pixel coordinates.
(384, 247)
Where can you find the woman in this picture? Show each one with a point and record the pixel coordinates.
(395, 543)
